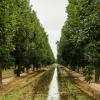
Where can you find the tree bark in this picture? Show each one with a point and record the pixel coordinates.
(33, 67)
(97, 74)
(0, 76)
(73, 68)
(27, 70)
(37, 68)
(77, 70)
(18, 71)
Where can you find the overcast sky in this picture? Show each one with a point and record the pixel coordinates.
(52, 16)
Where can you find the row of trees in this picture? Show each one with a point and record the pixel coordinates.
(23, 40)
(79, 45)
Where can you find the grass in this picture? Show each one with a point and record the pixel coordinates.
(42, 87)
(35, 87)
(21, 89)
(68, 89)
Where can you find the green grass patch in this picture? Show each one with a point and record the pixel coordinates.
(68, 89)
(23, 88)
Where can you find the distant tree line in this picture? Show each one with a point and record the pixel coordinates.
(23, 40)
(79, 46)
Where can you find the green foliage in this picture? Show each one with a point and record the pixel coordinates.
(23, 40)
(7, 27)
(88, 72)
(30, 40)
(80, 39)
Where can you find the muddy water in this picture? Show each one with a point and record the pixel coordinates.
(53, 89)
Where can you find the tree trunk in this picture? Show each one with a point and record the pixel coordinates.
(97, 74)
(73, 68)
(0, 76)
(37, 68)
(77, 70)
(18, 71)
(33, 67)
(27, 70)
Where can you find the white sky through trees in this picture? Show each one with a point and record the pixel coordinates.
(52, 16)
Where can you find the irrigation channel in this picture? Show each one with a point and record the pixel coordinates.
(57, 84)
(53, 89)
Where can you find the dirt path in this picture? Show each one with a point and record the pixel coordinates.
(6, 81)
(36, 86)
(16, 89)
(94, 88)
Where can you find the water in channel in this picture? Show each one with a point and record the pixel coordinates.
(53, 89)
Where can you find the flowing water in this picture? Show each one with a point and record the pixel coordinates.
(53, 89)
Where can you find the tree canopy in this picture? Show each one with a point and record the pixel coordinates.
(23, 40)
(80, 40)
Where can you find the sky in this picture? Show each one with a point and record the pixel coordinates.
(52, 16)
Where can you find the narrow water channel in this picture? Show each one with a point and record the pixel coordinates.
(53, 89)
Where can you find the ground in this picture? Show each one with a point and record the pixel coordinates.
(35, 86)
(68, 89)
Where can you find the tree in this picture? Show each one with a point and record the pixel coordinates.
(29, 39)
(23, 40)
(79, 43)
(7, 28)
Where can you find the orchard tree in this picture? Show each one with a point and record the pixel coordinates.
(29, 38)
(79, 43)
(7, 29)
(23, 40)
